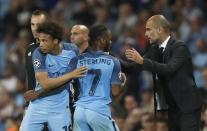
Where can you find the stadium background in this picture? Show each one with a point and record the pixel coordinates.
(126, 19)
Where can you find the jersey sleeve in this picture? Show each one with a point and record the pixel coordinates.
(73, 63)
(38, 60)
(71, 46)
(75, 48)
(116, 74)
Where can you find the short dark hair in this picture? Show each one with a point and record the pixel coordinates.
(40, 12)
(95, 33)
(51, 28)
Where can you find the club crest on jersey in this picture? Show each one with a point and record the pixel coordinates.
(36, 63)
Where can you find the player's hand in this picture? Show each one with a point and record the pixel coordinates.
(133, 55)
(79, 72)
(30, 95)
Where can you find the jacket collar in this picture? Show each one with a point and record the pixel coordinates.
(169, 44)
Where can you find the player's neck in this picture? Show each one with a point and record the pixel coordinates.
(83, 47)
(98, 50)
(57, 49)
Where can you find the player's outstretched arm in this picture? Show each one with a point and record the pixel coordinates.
(51, 83)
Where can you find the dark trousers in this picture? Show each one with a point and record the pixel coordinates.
(179, 121)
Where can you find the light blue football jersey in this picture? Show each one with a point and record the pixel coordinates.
(95, 88)
(56, 65)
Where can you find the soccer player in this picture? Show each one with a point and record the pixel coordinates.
(38, 17)
(52, 71)
(92, 109)
(79, 36)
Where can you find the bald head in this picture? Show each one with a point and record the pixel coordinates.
(157, 29)
(81, 28)
(79, 36)
(159, 21)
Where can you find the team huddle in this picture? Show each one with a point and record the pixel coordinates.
(71, 85)
(94, 75)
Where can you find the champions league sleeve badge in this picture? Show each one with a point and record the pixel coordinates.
(36, 63)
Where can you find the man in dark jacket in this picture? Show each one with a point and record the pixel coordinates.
(174, 70)
(38, 17)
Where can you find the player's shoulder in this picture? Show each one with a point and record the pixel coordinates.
(82, 56)
(69, 46)
(110, 57)
(32, 46)
(114, 59)
(89, 53)
(37, 51)
(86, 55)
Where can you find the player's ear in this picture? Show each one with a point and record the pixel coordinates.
(160, 29)
(55, 41)
(86, 37)
(102, 40)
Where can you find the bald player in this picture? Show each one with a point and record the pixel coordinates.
(79, 36)
(174, 73)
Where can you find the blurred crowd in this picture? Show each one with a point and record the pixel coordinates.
(134, 111)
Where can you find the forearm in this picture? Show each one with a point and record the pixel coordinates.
(179, 56)
(117, 90)
(123, 89)
(117, 97)
(51, 83)
(32, 94)
(165, 69)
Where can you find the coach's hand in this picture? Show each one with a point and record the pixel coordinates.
(133, 55)
(30, 95)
